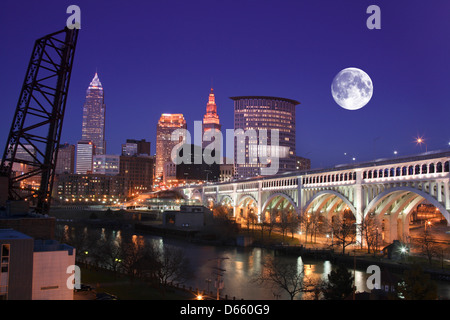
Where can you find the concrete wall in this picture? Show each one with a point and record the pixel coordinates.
(49, 275)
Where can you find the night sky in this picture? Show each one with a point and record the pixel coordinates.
(162, 56)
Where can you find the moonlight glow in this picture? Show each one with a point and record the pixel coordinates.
(352, 88)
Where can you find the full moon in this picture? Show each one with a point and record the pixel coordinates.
(352, 88)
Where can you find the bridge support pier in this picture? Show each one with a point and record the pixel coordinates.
(358, 201)
(403, 228)
(390, 229)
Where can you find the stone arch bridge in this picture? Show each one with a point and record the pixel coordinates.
(390, 189)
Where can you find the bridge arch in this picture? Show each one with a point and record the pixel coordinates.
(324, 195)
(196, 194)
(280, 197)
(394, 206)
(246, 204)
(398, 192)
(276, 195)
(226, 199)
(246, 197)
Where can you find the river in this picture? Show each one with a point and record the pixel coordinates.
(240, 265)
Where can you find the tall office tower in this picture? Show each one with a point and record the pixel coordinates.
(136, 147)
(66, 159)
(259, 113)
(93, 128)
(164, 144)
(211, 118)
(85, 156)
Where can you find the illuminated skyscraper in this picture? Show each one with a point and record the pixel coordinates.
(259, 113)
(93, 127)
(211, 118)
(164, 145)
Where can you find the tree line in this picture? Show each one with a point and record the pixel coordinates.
(131, 255)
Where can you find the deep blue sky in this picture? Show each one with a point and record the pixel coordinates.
(161, 56)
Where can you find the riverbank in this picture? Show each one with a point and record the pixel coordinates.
(291, 246)
(287, 244)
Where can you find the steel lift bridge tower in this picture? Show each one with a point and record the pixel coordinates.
(38, 120)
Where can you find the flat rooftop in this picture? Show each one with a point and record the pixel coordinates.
(8, 234)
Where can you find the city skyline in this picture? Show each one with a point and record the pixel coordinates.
(330, 176)
(293, 51)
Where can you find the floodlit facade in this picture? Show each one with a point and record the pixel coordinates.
(85, 156)
(264, 113)
(164, 144)
(93, 127)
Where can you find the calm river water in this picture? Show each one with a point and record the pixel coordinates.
(240, 265)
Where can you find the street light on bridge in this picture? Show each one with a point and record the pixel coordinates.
(420, 140)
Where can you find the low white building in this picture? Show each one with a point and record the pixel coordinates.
(51, 261)
(34, 269)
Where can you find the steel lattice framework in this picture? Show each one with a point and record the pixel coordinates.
(38, 119)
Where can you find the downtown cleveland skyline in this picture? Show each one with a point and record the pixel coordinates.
(163, 57)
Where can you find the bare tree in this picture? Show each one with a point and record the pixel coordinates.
(251, 218)
(279, 275)
(428, 245)
(370, 229)
(79, 237)
(220, 212)
(314, 225)
(109, 253)
(133, 253)
(283, 223)
(270, 223)
(294, 223)
(305, 222)
(344, 231)
(173, 265)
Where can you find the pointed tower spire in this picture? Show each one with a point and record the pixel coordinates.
(95, 83)
(211, 118)
(211, 106)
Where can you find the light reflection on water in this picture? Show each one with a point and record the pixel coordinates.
(240, 265)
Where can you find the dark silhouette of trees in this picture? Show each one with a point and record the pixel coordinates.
(339, 285)
(416, 285)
